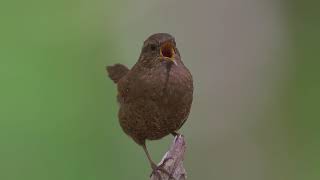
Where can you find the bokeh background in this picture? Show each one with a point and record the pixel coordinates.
(256, 104)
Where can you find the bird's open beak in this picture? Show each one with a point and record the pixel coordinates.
(167, 52)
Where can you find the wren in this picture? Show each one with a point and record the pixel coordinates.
(155, 95)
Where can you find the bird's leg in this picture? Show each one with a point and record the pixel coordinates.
(175, 133)
(154, 166)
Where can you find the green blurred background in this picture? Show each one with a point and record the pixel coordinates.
(257, 87)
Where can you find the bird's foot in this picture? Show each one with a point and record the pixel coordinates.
(157, 168)
(175, 134)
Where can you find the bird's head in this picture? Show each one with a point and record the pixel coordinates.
(160, 49)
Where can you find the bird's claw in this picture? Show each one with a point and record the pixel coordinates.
(156, 169)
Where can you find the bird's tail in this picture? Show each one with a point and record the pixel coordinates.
(116, 72)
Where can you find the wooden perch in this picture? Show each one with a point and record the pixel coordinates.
(173, 161)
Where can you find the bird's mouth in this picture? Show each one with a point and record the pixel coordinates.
(167, 51)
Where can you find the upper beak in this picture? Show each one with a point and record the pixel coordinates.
(167, 52)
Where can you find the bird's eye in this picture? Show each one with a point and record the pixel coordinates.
(153, 47)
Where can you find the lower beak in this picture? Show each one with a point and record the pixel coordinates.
(167, 52)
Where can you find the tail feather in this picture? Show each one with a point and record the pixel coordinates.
(116, 72)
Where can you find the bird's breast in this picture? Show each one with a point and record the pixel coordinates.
(165, 85)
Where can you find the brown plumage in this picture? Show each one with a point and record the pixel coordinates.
(155, 96)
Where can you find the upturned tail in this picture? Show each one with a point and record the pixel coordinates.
(116, 72)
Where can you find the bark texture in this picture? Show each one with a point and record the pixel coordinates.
(173, 161)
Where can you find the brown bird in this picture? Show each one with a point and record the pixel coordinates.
(155, 96)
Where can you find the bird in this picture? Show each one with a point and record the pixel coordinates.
(155, 95)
